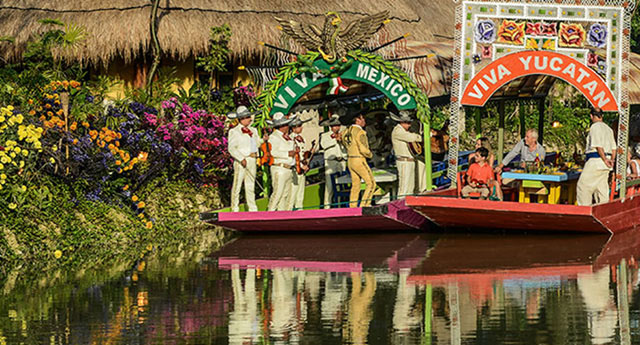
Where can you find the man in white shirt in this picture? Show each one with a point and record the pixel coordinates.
(400, 139)
(243, 147)
(283, 151)
(335, 155)
(296, 199)
(601, 153)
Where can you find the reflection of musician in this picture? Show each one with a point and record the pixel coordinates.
(243, 320)
(283, 301)
(400, 139)
(296, 199)
(602, 314)
(243, 147)
(403, 317)
(334, 297)
(360, 314)
(282, 150)
(335, 155)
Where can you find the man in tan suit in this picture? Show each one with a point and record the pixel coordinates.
(400, 139)
(355, 140)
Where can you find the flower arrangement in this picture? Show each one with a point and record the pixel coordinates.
(571, 35)
(511, 32)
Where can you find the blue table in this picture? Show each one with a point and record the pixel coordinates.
(537, 182)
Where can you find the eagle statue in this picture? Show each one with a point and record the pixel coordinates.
(333, 40)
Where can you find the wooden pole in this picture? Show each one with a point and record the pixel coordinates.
(541, 118)
(478, 115)
(500, 131)
(523, 128)
(64, 99)
(427, 315)
(623, 303)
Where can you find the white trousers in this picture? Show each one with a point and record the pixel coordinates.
(593, 183)
(421, 179)
(406, 178)
(246, 176)
(281, 181)
(296, 199)
(331, 166)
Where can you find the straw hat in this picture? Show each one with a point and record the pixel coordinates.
(404, 116)
(280, 120)
(298, 122)
(241, 113)
(334, 120)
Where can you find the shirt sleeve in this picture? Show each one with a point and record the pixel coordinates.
(233, 146)
(325, 143)
(541, 152)
(363, 145)
(406, 136)
(513, 153)
(278, 150)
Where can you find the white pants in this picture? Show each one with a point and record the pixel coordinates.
(281, 181)
(406, 178)
(421, 179)
(331, 166)
(246, 176)
(296, 198)
(593, 182)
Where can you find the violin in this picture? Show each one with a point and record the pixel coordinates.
(265, 158)
(306, 157)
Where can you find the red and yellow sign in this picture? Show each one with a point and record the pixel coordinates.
(516, 65)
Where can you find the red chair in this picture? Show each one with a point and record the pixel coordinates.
(511, 192)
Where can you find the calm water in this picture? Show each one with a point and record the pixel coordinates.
(376, 289)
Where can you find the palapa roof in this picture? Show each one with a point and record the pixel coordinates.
(120, 28)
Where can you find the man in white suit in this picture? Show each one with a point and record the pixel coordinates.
(335, 155)
(243, 141)
(283, 151)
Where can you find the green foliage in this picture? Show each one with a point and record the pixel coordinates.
(216, 60)
(161, 89)
(635, 33)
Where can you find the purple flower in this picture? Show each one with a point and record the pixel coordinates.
(485, 31)
(597, 35)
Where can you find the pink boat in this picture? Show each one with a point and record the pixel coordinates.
(395, 216)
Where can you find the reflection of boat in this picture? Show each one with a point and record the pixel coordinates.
(450, 212)
(391, 216)
(325, 253)
(481, 259)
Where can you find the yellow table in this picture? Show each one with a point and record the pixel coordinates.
(548, 187)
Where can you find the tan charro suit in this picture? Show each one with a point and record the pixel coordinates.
(355, 140)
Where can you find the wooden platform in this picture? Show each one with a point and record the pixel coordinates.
(447, 211)
(391, 216)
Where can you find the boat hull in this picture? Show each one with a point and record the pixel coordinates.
(391, 216)
(450, 212)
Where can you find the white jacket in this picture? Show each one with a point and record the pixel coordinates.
(241, 145)
(280, 148)
(332, 149)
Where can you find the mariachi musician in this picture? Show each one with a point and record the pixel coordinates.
(283, 152)
(354, 138)
(335, 155)
(401, 138)
(243, 141)
(296, 198)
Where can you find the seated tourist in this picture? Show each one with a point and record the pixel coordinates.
(633, 165)
(528, 149)
(483, 142)
(480, 176)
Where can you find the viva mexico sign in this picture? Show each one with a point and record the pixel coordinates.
(293, 89)
(516, 65)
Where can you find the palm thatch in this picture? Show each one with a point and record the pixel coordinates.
(120, 28)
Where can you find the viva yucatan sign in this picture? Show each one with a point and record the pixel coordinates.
(513, 66)
(333, 56)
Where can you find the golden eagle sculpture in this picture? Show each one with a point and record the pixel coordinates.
(334, 40)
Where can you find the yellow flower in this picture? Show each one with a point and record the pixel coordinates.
(12, 206)
(23, 188)
(57, 254)
(25, 153)
(52, 160)
(54, 148)
(134, 198)
(3, 177)
(1, 166)
(17, 150)
(141, 216)
(21, 165)
(141, 204)
(149, 225)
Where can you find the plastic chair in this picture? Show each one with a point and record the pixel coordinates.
(341, 191)
(460, 178)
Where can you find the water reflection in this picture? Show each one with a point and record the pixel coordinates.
(358, 289)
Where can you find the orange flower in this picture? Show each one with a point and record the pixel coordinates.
(149, 225)
(119, 135)
(101, 143)
(93, 134)
(75, 141)
(143, 156)
(42, 118)
(141, 216)
(125, 187)
(30, 101)
(74, 125)
(65, 84)
(118, 162)
(48, 124)
(32, 112)
(60, 112)
(134, 198)
(110, 146)
(56, 102)
(85, 124)
(141, 204)
(48, 106)
(74, 84)
(117, 144)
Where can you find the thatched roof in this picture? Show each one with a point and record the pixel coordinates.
(120, 28)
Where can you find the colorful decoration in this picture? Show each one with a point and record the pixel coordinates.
(534, 28)
(476, 58)
(549, 44)
(511, 32)
(601, 68)
(549, 29)
(592, 60)
(532, 43)
(485, 31)
(571, 35)
(597, 35)
(336, 86)
(487, 52)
